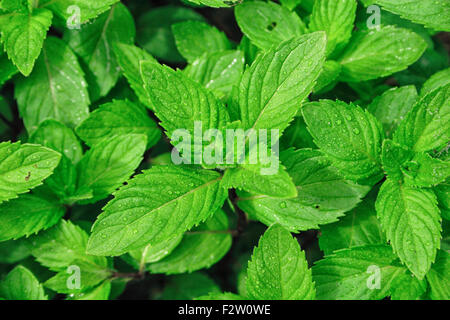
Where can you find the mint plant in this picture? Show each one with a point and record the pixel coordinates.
(233, 150)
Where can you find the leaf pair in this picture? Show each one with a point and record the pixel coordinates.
(432, 14)
(349, 136)
(360, 56)
(21, 284)
(169, 90)
(269, 96)
(365, 272)
(323, 194)
(372, 271)
(351, 139)
(410, 216)
(277, 271)
(101, 170)
(93, 43)
(62, 249)
(25, 27)
(23, 167)
(156, 206)
(56, 82)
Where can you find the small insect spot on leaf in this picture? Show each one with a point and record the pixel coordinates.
(28, 176)
(271, 26)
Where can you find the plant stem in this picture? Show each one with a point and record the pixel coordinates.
(241, 216)
(142, 262)
(129, 275)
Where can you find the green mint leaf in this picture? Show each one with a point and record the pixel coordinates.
(27, 215)
(392, 106)
(155, 32)
(21, 6)
(149, 253)
(129, 58)
(407, 287)
(118, 117)
(393, 157)
(56, 82)
(110, 163)
(278, 269)
(58, 137)
(156, 206)
(248, 177)
(410, 218)
(336, 18)
(89, 9)
(439, 275)
(359, 227)
(195, 38)
(375, 54)
(323, 195)
(93, 43)
(200, 248)
(273, 88)
(23, 37)
(90, 276)
(267, 24)
(389, 18)
(218, 71)
(60, 246)
(7, 69)
(351, 274)
(21, 284)
(63, 249)
(439, 79)
(426, 126)
(425, 171)
(189, 286)
(145, 142)
(432, 14)
(179, 101)
(23, 167)
(349, 136)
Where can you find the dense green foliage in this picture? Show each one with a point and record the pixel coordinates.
(350, 199)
